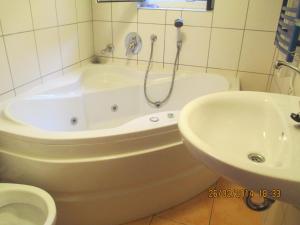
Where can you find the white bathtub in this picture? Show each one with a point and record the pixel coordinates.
(89, 140)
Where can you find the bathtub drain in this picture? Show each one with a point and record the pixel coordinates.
(114, 108)
(74, 121)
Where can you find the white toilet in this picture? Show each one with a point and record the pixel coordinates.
(25, 205)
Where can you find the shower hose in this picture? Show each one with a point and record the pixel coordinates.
(161, 102)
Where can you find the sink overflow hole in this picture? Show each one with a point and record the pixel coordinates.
(254, 157)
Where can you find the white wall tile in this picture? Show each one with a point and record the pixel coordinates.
(230, 13)
(195, 46)
(69, 44)
(84, 10)
(152, 16)
(170, 44)
(263, 15)
(225, 48)
(229, 75)
(171, 16)
(48, 50)
(86, 45)
(197, 18)
(120, 31)
(15, 16)
(43, 13)
(257, 51)
(102, 36)
(145, 31)
(125, 12)
(5, 77)
(253, 81)
(102, 11)
(66, 11)
(21, 51)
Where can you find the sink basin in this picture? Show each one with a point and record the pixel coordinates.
(249, 138)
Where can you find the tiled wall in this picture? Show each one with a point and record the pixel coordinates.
(39, 39)
(281, 79)
(236, 38)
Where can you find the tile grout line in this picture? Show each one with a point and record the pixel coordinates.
(243, 37)
(77, 27)
(224, 28)
(209, 43)
(8, 62)
(48, 74)
(59, 37)
(112, 31)
(36, 47)
(46, 28)
(93, 32)
(203, 67)
(165, 32)
(211, 211)
(271, 74)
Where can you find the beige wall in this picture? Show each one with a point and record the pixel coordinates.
(236, 38)
(39, 39)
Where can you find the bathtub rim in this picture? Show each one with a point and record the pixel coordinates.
(24, 131)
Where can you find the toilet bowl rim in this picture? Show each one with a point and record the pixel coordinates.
(43, 196)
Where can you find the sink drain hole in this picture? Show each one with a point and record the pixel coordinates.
(257, 158)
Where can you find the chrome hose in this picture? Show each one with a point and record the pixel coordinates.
(176, 64)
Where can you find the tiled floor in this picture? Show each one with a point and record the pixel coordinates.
(203, 210)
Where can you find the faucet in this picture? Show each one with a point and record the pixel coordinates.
(133, 43)
(278, 65)
(131, 46)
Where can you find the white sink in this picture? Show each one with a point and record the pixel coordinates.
(223, 130)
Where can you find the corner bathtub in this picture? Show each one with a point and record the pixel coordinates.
(106, 156)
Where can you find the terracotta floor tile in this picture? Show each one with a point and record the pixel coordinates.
(193, 212)
(162, 221)
(145, 221)
(232, 210)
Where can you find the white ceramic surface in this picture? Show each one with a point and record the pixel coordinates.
(26, 204)
(108, 160)
(223, 129)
